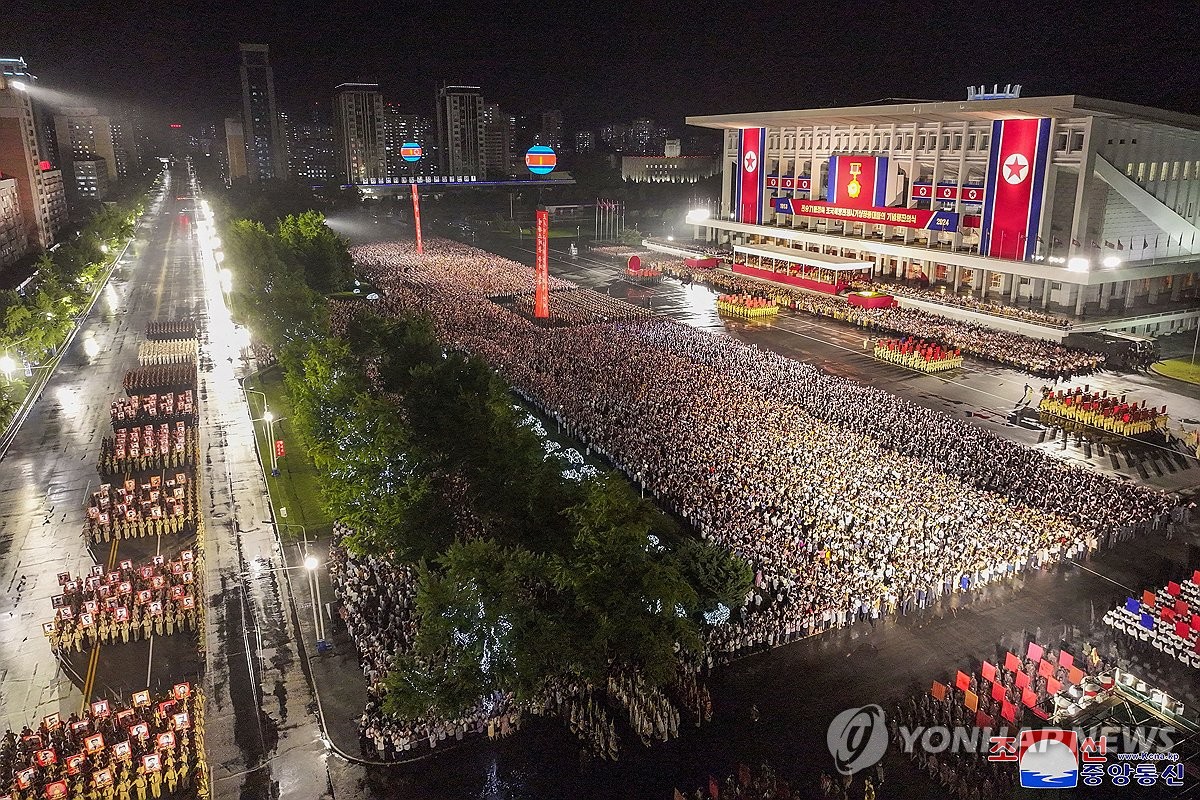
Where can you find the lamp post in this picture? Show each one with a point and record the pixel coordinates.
(7, 363)
(311, 564)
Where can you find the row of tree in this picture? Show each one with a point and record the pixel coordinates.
(35, 322)
(525, 574)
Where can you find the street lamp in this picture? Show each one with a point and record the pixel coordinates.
(311, 563)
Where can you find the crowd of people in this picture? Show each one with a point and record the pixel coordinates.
(145, 447)
(583, 307)
(1104, 411)
(965, 301)
(113, 750)
(1037, 356)
(849, 502)
(127, 603)
(918, 354)
(377, 601)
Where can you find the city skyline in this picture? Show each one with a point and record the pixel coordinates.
(633, 61)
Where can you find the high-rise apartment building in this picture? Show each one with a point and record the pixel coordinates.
(497, 142)
(266, 156)
(585, 141)
(91, 177)
(125, 144)
(235, 150)
(551, 132)
(641, 133)
(311, 149)
(14, 235)
(85, 144)
(358, 133)
(399, 128)
(39, 183)
(460, 130)
(613, 134)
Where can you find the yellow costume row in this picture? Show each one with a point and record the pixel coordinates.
(750, 310)
(1133, 422)
(915, 360)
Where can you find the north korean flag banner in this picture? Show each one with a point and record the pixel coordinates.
(858, 181)
(1016, 185)
(751, 144)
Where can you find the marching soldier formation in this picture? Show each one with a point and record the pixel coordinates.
(148, 748)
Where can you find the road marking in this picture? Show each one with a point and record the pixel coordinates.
(89, 681)
(1099, 575)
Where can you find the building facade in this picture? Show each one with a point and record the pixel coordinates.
(497, 142)
(668, 169)
(85, 138)
(400, 128)
(1067, 202)
(551, 133)
(39, 182)
(585, 141)
(460, 130)
(311, 151)
(266, 148)
(359, 133)
(235, 150)
(14, 234)
(91, 177)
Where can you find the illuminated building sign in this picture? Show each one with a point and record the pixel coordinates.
(900, 217)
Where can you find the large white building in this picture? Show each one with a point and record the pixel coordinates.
(1069, 203)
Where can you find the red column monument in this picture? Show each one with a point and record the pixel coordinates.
(541, 292)
(417, 218)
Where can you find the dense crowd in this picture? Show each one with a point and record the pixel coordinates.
(965, 301)
(133, 510)
(112, 750)
(849, 502)
(583, 307)
(1036, 356)
(168, 407)
(377, 601)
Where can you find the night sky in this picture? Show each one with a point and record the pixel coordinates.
(609, 61)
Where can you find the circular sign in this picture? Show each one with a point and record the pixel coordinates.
(410, 151)
(540, 159)
(635, 263)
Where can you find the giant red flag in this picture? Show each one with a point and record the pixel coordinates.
(1016, 185)
(751, 144)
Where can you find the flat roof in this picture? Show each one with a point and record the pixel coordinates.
(1067, 105)
(822, 260)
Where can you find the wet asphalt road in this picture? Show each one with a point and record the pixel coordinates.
(800, 687)
(51, 466)
(263, 740)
